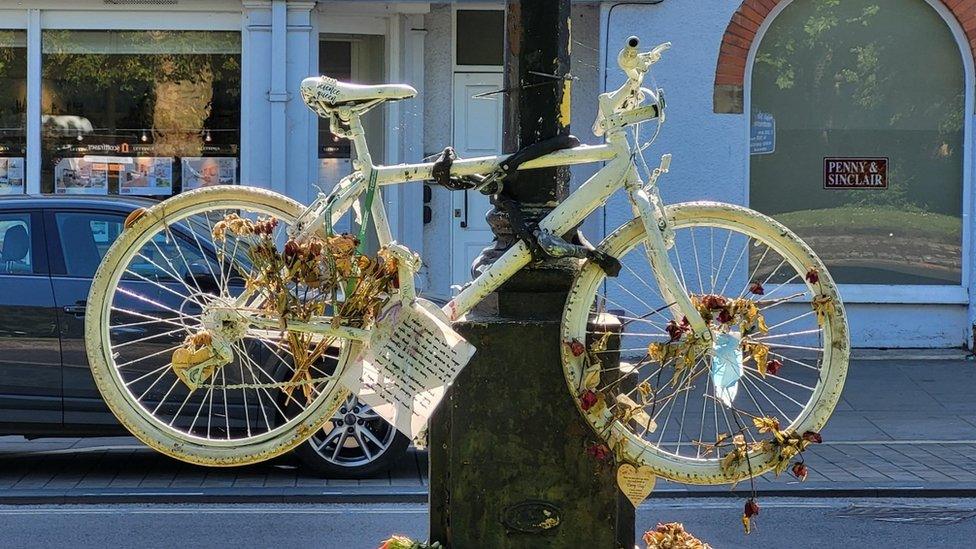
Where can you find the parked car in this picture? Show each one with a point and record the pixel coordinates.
(50, 246)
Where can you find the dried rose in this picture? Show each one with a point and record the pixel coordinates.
(712, 301)
(757, 288)
(751, 510)
(799, 471)
(588, 399)
(773, 366)
(292, 249)
(676, 330)
(576, 347)
(814, 437)
(724, 316)
(813, 276)
(598, 451)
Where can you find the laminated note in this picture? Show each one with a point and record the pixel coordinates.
(411, 358)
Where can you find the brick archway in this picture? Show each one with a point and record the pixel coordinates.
(741, 32)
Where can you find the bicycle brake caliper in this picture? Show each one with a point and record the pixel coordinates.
(654, 194)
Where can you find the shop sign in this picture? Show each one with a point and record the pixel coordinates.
(845, 172)
(762, 139)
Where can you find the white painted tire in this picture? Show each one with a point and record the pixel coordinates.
(139, 420)
(736, 220)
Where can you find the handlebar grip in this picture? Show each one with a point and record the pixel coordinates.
(627, 58)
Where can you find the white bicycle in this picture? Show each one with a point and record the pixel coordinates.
(730, 328)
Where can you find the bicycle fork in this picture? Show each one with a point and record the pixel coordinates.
(648, 206)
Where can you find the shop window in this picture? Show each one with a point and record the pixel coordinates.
(15, 244)
(13, 111)
(146, 113)
(857, 137)
(480, 38)
(358, 59)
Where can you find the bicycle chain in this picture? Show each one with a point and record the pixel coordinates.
(277, 385)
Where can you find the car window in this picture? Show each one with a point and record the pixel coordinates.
(15, 244)
(86, 237)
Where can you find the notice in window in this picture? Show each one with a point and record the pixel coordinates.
(147, 176)
(762, 138)
(206, 171)
(12, 175)
(855, 173)
(79, 176)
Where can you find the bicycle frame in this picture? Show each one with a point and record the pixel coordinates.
(619, 172)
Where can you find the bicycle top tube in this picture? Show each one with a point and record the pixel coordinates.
(583, 154)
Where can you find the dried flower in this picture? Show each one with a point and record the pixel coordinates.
(757, 288)
(672, 536)
(600, 452)
(588, 399)
(813, 276)
(773, 366)
(676, 330)
(751, 510)
(576, 347)
(767, 424)
(712, 301)
(799, 471)
(813, 437)
(724, 316)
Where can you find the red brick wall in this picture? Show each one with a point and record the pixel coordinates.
(741, 32)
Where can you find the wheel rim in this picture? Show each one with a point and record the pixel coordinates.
(670, 445)
(252, 416)
(356, 436)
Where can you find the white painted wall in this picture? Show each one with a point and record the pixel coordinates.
(711, 152)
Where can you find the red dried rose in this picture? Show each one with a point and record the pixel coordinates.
(292, 249)
(751, 508)
(676, 330)
(598, 451)
(588, 399)
(800, 471)
(712, 301)
(813, 437)
(576, 347)
(757, 288)
(724, 316)
(773, 366)
(813, 276)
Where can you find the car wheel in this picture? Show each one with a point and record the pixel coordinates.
(355, 443)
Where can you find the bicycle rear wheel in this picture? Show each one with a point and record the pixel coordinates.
(765, 296)
(173, 362)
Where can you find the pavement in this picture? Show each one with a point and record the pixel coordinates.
(906, 427)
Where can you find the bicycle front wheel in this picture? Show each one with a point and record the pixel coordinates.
(166, 292)
(719, 409)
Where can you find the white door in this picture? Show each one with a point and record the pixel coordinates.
(477, 132)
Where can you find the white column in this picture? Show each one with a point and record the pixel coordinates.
(300, 145)
(256, 60)
(33, 168)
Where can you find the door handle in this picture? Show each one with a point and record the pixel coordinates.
(78, 309)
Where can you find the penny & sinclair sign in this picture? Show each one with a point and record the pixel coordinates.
(843, 172)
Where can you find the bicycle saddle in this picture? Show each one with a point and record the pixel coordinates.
(322, 93)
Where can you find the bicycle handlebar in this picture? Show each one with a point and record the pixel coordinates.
(630, 95)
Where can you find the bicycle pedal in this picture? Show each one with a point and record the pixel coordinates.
(609, 264)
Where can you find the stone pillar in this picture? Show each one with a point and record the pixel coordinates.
(508, 459)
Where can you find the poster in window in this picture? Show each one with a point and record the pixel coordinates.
(12, 175)
(79, 176)
(147, 176)
(206, 171)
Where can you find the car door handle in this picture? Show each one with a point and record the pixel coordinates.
(78, 309)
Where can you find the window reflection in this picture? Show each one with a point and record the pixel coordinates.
(13, 109)
(851, 79)
(139, 112)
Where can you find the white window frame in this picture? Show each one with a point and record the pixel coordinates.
(890, 293)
